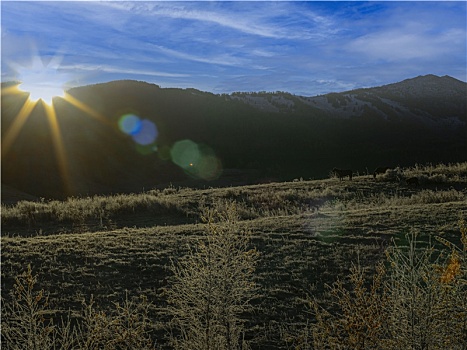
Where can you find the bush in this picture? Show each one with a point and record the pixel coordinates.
(418, 301)
(360, 322)
(212, 286)
(27, 323)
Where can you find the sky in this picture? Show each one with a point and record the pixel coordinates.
(305, 48)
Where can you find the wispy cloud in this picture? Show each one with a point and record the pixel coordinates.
(249, 19)
(218, 59)
(230, 46)
(120, 70)
(399, 35)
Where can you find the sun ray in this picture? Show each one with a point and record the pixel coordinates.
(60, 153)
(10, 90)
(52, 117)
(58, 147)
(17, 125)
(78, 104)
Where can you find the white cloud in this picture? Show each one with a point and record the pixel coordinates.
(400, 45)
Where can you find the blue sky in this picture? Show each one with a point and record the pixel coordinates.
(306, 48)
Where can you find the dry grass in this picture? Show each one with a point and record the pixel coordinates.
(307, 234)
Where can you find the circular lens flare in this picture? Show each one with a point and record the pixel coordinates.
(184, 153)
(130, 124)
(197, 160)
(146, 134)
(143, 131)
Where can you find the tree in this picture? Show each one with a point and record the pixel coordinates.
(212, 286)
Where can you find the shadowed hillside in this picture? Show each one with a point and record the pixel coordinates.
(257, 137)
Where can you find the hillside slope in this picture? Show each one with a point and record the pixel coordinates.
(308, 235)
(260, 137)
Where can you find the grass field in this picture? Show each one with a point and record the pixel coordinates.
(307, 233)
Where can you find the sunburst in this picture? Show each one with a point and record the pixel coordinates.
(42, 81)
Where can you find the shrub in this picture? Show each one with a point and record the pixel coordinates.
(392, 175)
(212, 286)
(419, 301)
(360, 322)
(426, 308)
(125, 328)
(27, 323)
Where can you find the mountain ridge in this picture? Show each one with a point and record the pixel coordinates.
(427, 86)
(357, 102)
(247, 137)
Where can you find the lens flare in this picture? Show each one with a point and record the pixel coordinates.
(197, 160)
(146, 149)
(184, 153)
(143, 131)
(130, 124)
(146, 134)
(210, 168)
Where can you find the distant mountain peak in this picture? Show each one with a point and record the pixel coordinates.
(419, 82)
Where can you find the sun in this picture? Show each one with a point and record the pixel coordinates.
(44, 91)
(42, 81)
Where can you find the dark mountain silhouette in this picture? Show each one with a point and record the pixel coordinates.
(226, 139)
